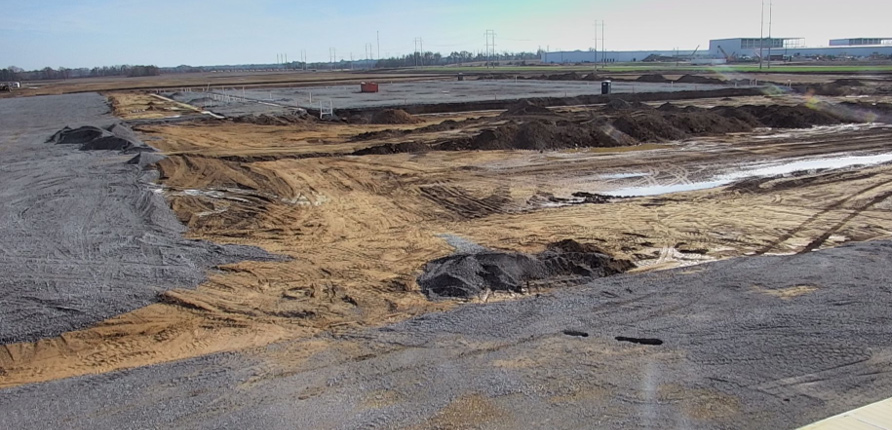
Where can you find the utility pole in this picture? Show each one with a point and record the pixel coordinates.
(761, 34)
(378, 38)
(596, 44)
(490, 45)
(770, 20)
(419, 51)
(603, 52)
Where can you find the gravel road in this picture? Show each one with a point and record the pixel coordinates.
(761, 342)
(83, 237)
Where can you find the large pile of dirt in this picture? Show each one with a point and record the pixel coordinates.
(268, 119)
(468, 275)
(695, 79)
(800, 116)
(525, 108)
(116, 137)
(393, 116)
(572, 76)
(540, 135)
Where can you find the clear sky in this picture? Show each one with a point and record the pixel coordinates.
(86, 33)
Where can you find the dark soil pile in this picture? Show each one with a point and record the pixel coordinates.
(648, 127)
(393, 148)
(468, 275)
(572, 76)
(800, 116)
(115, 138)
(390, 133)
(393, 116)
(657, 78)
(695, 79)
(525, 108)
(267, 119)
(848, 83)
(540, 135)
(627, 124)
(591, 77)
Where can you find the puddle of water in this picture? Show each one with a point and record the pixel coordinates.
(756, 171)
(622, 175)
(817, 131)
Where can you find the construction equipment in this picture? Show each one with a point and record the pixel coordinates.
(728, 58)
(4, 88)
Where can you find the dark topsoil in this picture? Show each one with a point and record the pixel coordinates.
(620, 123)
(465, 275)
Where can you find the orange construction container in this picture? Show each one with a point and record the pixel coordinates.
(368, 87)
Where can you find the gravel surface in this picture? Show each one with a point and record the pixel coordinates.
(412, 93)
(83, 236)
(762, 342)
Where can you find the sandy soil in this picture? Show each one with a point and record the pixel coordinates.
(359, 229)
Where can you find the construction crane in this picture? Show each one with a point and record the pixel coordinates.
(695, 52)
(728, 58)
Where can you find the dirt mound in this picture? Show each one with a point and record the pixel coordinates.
(848, 83)
(695, 79)
(655, 77)
(525, 108)
(468, 275)
(90, 138)
(394, 148)
(267, 119)
(540, 135)
(591, 77)
(393, 116)
(799, 116)
(76, 136)
(618, 105)
(648, 128)
(572, 76)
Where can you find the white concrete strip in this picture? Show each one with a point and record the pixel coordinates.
(877, 416)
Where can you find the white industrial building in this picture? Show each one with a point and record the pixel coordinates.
(721, 49)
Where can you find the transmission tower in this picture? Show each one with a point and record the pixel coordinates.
(490, 44)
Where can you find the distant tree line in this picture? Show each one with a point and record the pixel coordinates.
(455, 57)
(428, 58)
(13, 73)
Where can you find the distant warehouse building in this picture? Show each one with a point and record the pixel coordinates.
(861, 41)
(720, 49)
(791, 47)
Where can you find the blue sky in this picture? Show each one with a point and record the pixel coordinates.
(85, 33)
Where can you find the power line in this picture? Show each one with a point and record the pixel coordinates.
(490, 44)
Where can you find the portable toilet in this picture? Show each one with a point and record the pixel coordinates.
(606, 87)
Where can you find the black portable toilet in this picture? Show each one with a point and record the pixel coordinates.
(461, 77)
(605, 87)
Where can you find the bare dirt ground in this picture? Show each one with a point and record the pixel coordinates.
(360, 228)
